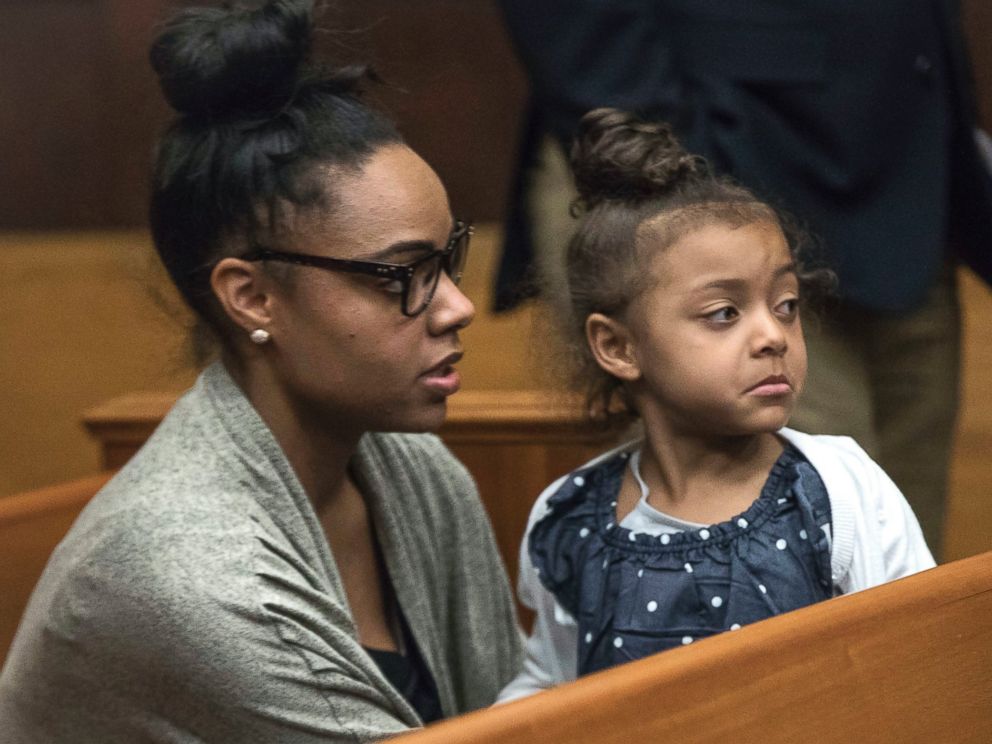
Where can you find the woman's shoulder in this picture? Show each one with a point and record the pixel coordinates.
(192, 590)
(184, 541)
(419, 483)
(426, 451)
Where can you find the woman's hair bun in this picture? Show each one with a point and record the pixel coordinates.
(616, 156)
(235, 60)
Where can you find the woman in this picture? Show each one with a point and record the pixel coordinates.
(268, 568)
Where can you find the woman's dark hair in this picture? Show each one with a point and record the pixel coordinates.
(628, 171)
(255, 120)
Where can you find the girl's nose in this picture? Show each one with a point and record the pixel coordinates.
(770, 336)
(450, 310)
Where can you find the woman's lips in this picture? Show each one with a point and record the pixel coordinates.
(444, 380)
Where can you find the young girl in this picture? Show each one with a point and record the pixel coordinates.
(684, 295)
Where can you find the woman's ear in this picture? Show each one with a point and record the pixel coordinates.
(243, 292)
(612, 346)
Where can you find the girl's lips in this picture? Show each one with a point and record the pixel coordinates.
(771, 389)
(771, 386)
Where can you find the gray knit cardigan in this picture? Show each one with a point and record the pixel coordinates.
(196, 598)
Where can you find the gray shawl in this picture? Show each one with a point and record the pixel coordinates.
(196, 598)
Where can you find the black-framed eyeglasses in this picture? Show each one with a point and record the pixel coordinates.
(418, 279)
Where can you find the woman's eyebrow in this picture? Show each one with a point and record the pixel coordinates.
(402, 248)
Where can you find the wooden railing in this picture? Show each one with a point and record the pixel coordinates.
(905, 663)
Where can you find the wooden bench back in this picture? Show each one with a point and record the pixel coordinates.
(905, 663)
(31, 525)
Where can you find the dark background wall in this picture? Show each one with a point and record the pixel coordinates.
(80, 107)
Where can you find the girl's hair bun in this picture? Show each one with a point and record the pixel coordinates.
(236, 60)
(618, 157)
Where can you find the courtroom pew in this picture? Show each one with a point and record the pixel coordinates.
(31, 525)
(909, 662)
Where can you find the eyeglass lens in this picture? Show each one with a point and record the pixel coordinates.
(426, 275)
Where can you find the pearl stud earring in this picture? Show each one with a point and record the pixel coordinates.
(260, 336)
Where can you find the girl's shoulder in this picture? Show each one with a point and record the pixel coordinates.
(832, 455)
(871, 519)
(578, 477)
(854, 482)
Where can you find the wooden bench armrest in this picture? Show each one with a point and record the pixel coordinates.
(31, 525)
(68, 497)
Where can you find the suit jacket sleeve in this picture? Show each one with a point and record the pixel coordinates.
(582, 54)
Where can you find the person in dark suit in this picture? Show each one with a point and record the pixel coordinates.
(858, 118)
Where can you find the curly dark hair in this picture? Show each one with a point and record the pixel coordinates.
(628, 171)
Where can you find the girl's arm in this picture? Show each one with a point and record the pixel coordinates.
(551, 649)
(877, 536)
(899, 537)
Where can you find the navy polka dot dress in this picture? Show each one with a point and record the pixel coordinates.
(634, 593)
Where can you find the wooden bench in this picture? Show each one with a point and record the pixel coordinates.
(905, 663)
(31, 525)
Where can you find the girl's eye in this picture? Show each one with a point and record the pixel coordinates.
(789, 308)
(393, 286)
(723, 315)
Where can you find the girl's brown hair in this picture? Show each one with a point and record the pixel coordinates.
(628, 171)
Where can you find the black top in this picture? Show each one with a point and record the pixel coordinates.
(409, 674)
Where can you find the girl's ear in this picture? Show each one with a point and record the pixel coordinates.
(612, 346)
(243, 292)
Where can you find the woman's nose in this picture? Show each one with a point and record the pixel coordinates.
(450, 309)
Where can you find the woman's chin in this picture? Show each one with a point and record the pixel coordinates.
(425, 418)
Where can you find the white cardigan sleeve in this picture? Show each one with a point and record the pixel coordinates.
(552, 649)
(551, 652)
(876, 536)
